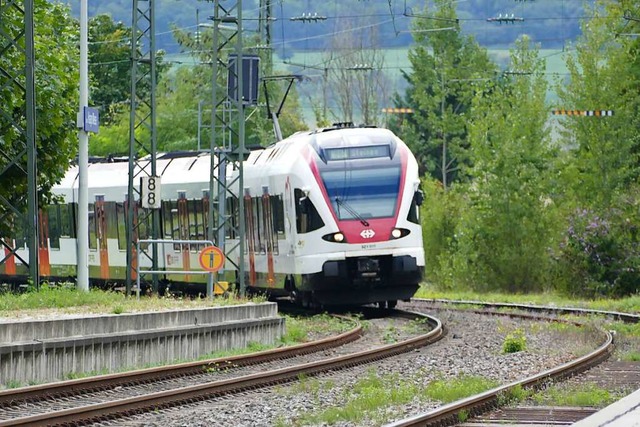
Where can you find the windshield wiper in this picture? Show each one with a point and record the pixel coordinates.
(352, 211)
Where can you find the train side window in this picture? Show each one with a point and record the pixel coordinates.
(196, 230)
(183, 221)
(204, 203)
(171, 227)
(53, 213)
(257, 221)
(307, 216)
(93, 231)
(68, 220)
(112, 225)
(277, 207)
(231, 207)
(271, 244)
(121, 225)
(414, 210)
(21, 237)
(144, 227)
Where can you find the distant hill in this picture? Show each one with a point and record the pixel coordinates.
(550, 23)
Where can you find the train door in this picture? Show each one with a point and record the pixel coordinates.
(269, 236)
(183, 231)
(251, 236)
(134, 238)
(101, 236)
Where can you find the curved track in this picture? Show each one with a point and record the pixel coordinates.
(474, 405)
(93, 412)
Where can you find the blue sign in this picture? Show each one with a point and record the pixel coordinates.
(91, 120)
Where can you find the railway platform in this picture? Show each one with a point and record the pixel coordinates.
(623, 413)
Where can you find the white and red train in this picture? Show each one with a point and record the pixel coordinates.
(331, 218)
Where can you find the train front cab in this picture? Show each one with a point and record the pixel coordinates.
(360, 276)
(375, 257)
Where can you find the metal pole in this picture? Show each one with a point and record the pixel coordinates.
(155, 213)
(83, 158)
(32, 168)
(199, 122)
(241, 149)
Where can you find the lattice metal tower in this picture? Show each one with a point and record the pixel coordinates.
(18, 157)
(227, 142)
(142, 223)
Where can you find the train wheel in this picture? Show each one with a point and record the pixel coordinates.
(392, 303)
(305, 298)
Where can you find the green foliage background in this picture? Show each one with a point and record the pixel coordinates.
(56, 81)
(532, 213)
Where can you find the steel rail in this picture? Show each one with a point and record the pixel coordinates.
(170, 398)
(11, 397)
(473, 405)
(625, 317)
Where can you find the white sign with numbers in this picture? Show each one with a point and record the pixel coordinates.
(150, 194)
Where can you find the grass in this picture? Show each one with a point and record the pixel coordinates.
(450, 390)
(628, 329)
(631, 356)
(584, 395)
(66, 298)
(363, 399)
(369, 399)
(626, 305)
(302, 329)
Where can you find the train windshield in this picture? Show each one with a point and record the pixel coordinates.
(363, 193)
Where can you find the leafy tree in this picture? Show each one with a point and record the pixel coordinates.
(599, 253)
(56, 76)
(110, 66)
(446, 68)
(506, 229)
(604, 73)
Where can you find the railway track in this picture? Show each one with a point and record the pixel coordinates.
(87, 408)
(484, 403)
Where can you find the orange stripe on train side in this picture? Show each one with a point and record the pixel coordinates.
(9, 261)
(43, 245)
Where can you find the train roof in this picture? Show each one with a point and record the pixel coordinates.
(110, 178)
(288, 151)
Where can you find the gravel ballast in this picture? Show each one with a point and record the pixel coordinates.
(472, 346)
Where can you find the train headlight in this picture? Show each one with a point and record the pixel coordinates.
(335, 237)
(397, 233)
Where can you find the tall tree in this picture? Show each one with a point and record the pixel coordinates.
(600, 253)
(56, 74)
(446, 67)
(110, 65)
(506, 229)
(604, 74)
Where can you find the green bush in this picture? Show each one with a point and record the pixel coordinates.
(514, 342)
(600, 253)
(439, 217)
